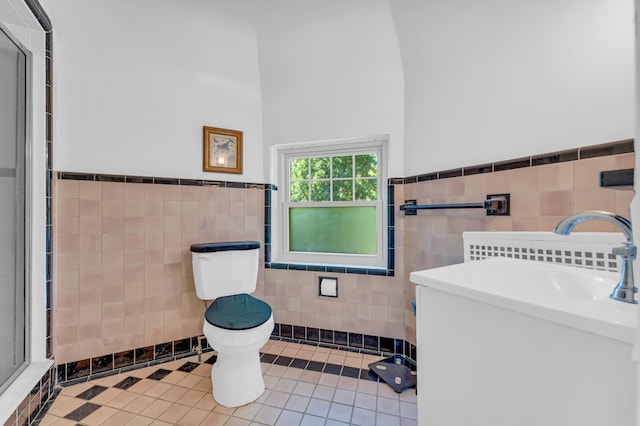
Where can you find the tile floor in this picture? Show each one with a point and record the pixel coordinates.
(305, 385)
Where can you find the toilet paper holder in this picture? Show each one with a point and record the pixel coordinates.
(328, 286)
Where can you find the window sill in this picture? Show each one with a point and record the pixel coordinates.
(382, 272)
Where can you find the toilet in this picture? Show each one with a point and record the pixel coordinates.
(236, 324)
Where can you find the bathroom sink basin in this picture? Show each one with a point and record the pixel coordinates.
(569, 295)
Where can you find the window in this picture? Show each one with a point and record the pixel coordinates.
(330, 203)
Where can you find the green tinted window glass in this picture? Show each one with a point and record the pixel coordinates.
(333, 229)
(299, 191)
(366, 165)
(343, 166)
(366, 189)
(320, 168)
(320, 190)
(343, 190)
(299, 169)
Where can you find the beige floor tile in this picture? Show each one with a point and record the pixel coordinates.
(185, 398)
(64, 407)
(290, 352)
(310, 376)
(206, 402)
(142, 386)
(156, 408)
(76, 390)
(140, 421)
(215, 419)
(173, 394)
(189, 381)
(174, 413)
(336, 359)
(174, 377)
(320, 356)
(65, 422)
(158, 389)
(138, 404)
(247, 412)
(191, 397)
(109, 380)
(203, 370)
(293, 373)
(48, 420)
(122, 400)
(353, 362)
(142, 372)
(119, 419)
(194, 416)
(99, 416)
(160, 423)
(203, 385)
(106, 396)
(305, 354)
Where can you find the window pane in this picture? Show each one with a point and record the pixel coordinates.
(343, 166)
(299, 168)
(299, 191)
(366, 165)
(366, 189)
(333, 229)
(320, 190)
(343, 190)
(320, 168)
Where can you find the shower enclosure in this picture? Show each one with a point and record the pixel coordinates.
(13, 223)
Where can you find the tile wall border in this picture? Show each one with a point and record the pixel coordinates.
(74, 372)
(601, 150)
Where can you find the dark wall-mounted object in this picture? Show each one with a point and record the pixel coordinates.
(495, 205)
(617, 179)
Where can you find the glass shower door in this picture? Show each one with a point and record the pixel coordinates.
(13, 330)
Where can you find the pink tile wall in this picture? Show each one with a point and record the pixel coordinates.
(540, 197)
(123, 275)
(123, 266)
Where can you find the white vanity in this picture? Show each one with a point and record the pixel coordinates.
(505, 341)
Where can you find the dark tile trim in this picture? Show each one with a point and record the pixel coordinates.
(383, 272)
(601, 150)
(611, 148)
(83, 370)
(97, 177)
(449, 174)
(355, 342)
(106, 365)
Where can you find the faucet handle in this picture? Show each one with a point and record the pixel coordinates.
(628, 250)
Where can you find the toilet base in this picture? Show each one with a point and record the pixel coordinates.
(236, 377)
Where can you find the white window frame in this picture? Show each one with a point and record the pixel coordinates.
(280, 156)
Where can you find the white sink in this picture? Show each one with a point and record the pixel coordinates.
(572, 296)
(505, 342)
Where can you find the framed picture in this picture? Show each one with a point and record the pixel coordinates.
(222, 150)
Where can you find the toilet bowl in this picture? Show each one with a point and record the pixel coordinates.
(236, 324)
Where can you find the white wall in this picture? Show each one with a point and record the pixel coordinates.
(135, 81)
(500, 79)
(329, 70)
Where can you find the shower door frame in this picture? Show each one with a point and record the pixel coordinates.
(24, 169)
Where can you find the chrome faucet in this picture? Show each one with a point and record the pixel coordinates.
(625, 289)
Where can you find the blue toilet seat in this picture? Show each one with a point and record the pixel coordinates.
(238, 312)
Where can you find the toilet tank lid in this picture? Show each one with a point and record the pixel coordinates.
(224, 246)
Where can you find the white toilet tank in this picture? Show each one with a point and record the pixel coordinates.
(223, 269)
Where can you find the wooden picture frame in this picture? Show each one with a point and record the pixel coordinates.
(222, 150)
